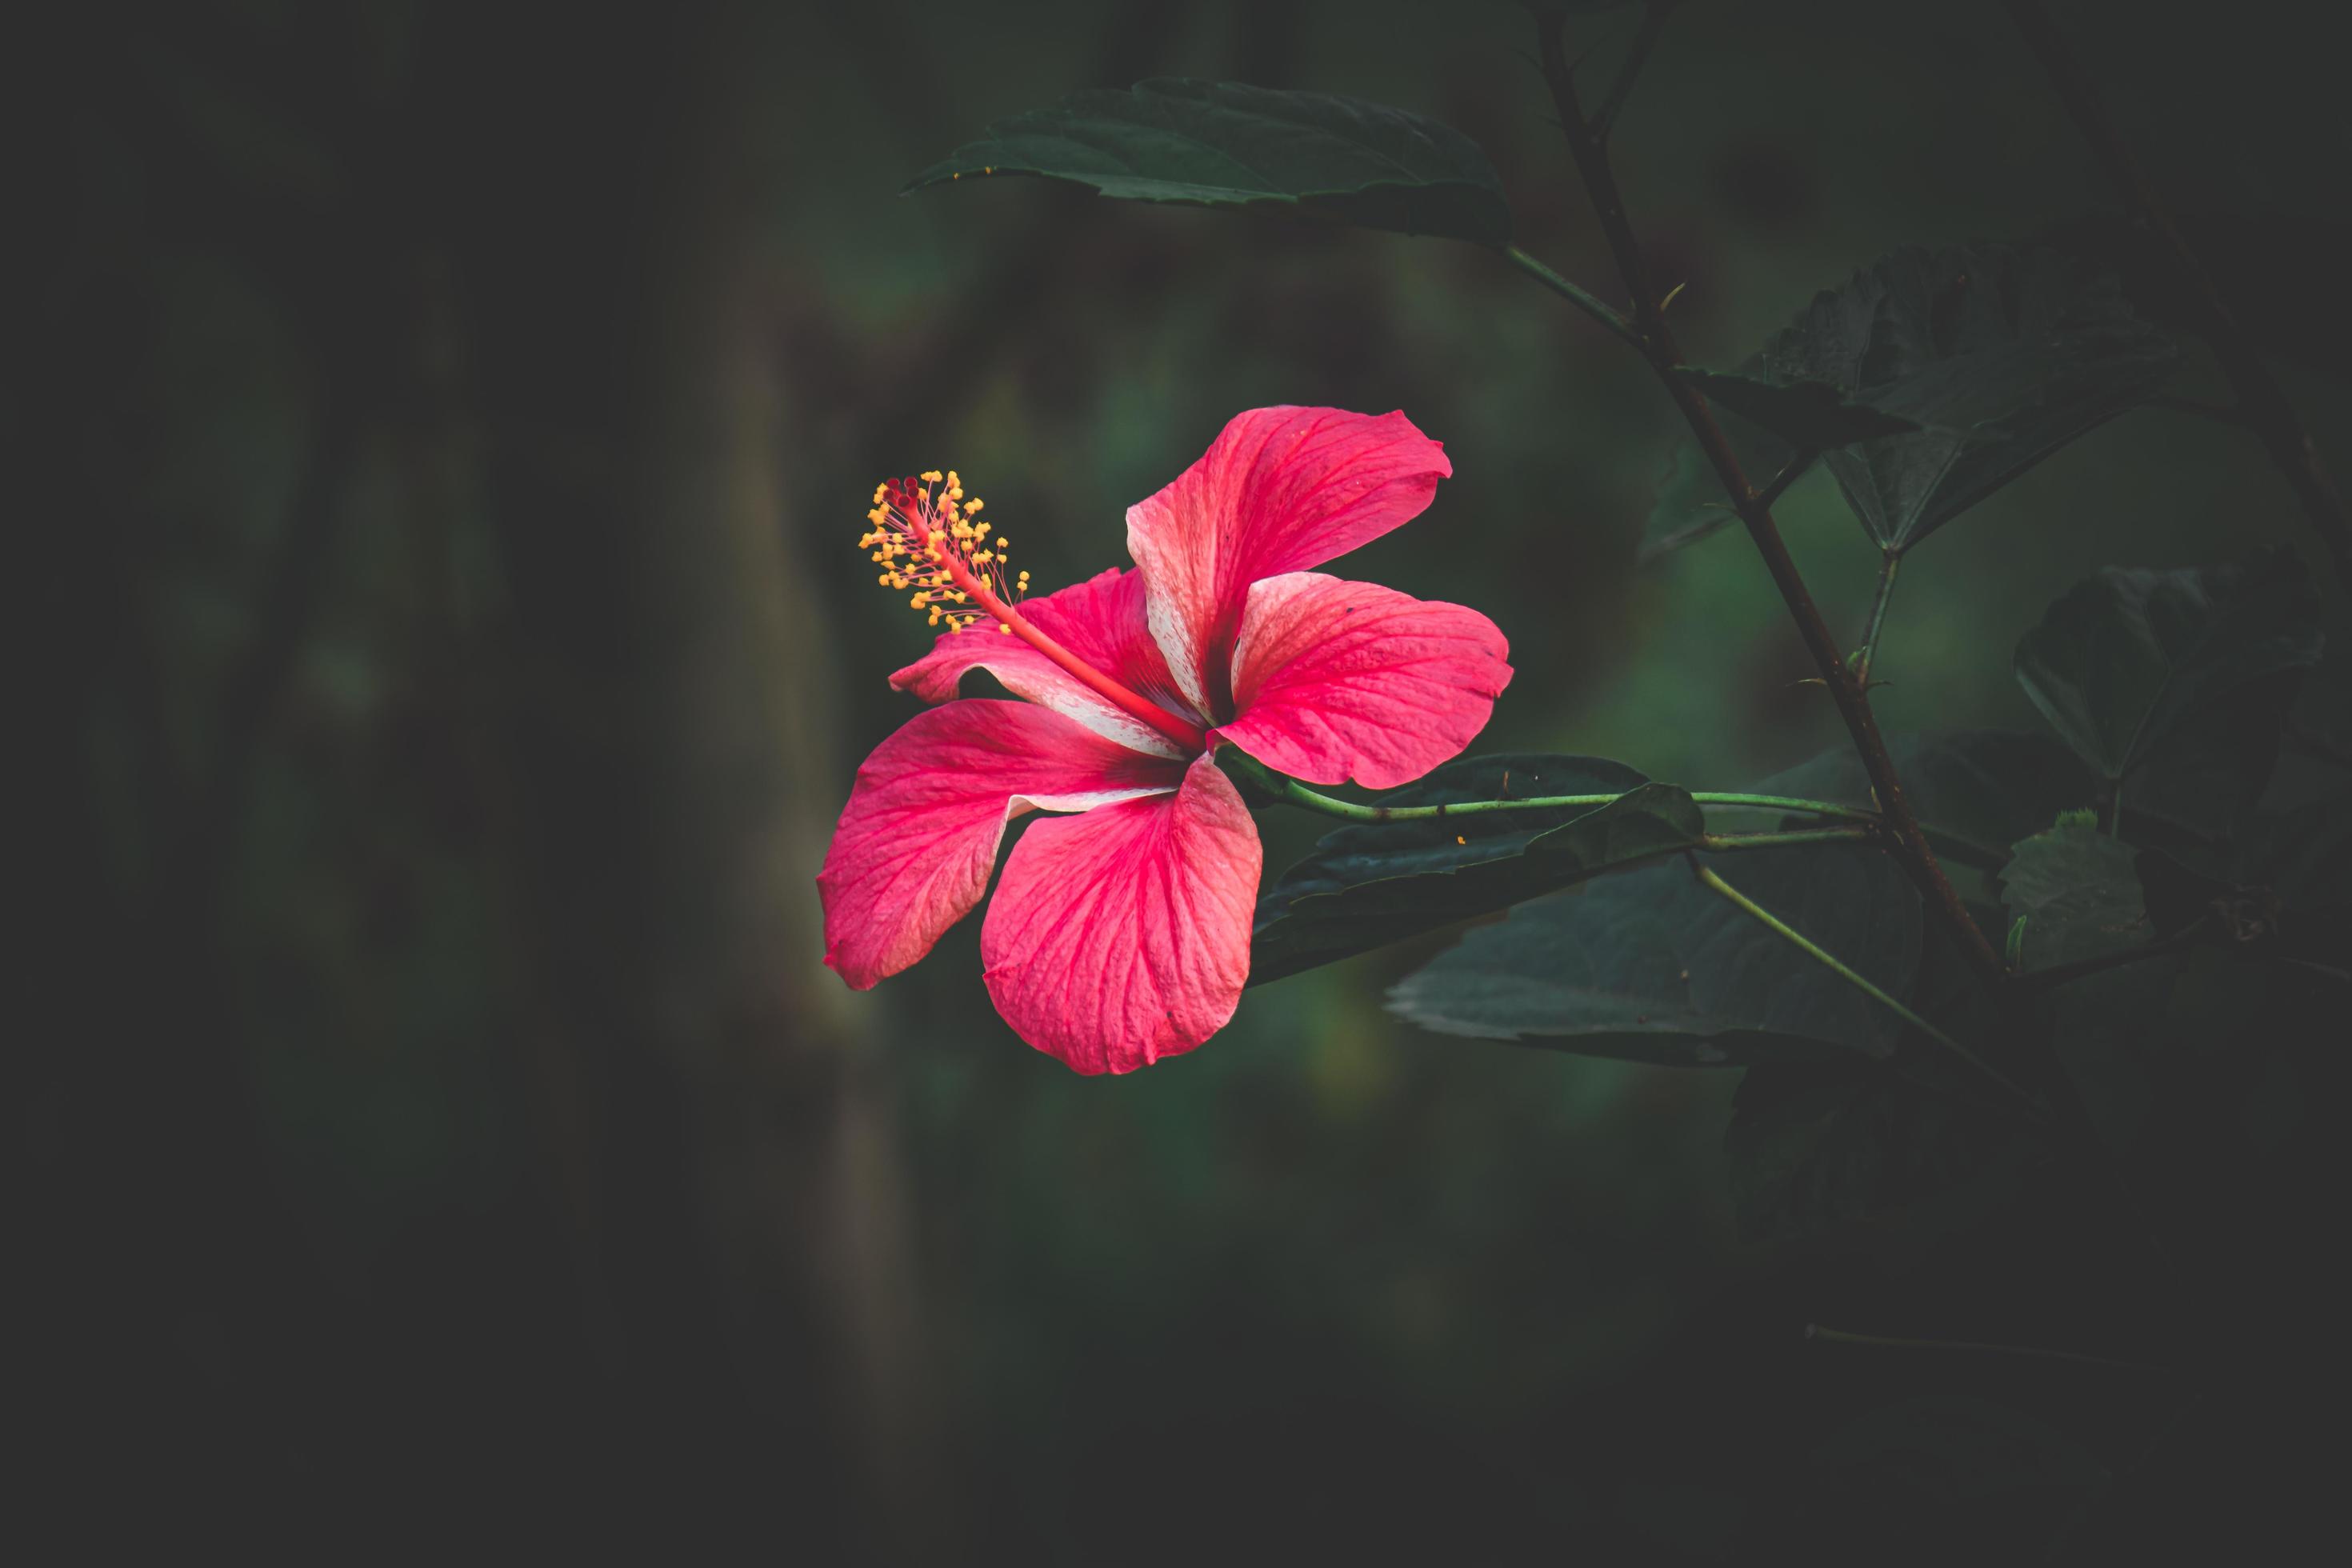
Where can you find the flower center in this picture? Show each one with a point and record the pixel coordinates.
(927, 537)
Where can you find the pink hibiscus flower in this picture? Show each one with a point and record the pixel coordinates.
(1120, 931)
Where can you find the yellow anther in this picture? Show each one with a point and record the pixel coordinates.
(931, 476)
(974, 504)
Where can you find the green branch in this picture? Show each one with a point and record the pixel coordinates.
(1851, 835)
(1298, 794)
(1583, 300)
(1831, 961)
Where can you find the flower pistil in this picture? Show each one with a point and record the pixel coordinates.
(926, 537)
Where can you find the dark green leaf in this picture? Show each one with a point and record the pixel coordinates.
(1978, 792)
(2184, 674)
(2078, 891)
(1224, 145)
(1365, 887)
(1812, 415)
(2001, 356)
(1651, 966)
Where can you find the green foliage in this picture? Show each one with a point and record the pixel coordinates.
(1224, 144)
(1651, 966)
(2002, 356)
(1977, 792)
(2078, 892)
(1365, 887)
(1811, 415)
(2176, 680)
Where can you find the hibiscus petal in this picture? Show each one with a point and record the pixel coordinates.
(1101, 621)
(1334, 680)
(1280, 489)
(916, 843)
(1122, 936)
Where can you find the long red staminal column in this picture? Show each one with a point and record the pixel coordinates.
(947, 555)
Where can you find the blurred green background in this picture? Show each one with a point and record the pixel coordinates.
(448, 430)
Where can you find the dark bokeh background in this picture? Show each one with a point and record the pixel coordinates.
(439, 435)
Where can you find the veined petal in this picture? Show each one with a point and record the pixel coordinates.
(1335, 681)
(1122, 936)
(1100, 620)
(916, 843)
(1280, 489)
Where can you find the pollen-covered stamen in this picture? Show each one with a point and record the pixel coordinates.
(927, 537)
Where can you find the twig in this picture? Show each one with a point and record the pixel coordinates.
(1791, 472)
(1659, 347)
(1837, 966)
(1637, 54)
(1583, 300)
(2263, 404)
(1819, 1335)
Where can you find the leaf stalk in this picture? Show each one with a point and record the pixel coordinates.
(1583, 299)
(1714, 884)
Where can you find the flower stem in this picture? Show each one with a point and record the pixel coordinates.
(1298, 794)
(1831, 961)
(1658, 346)
(1855, 833)
(1880, 1342)
(1583, 300)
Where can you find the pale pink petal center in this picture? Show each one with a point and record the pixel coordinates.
(1101, 621)
(1280, 489)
